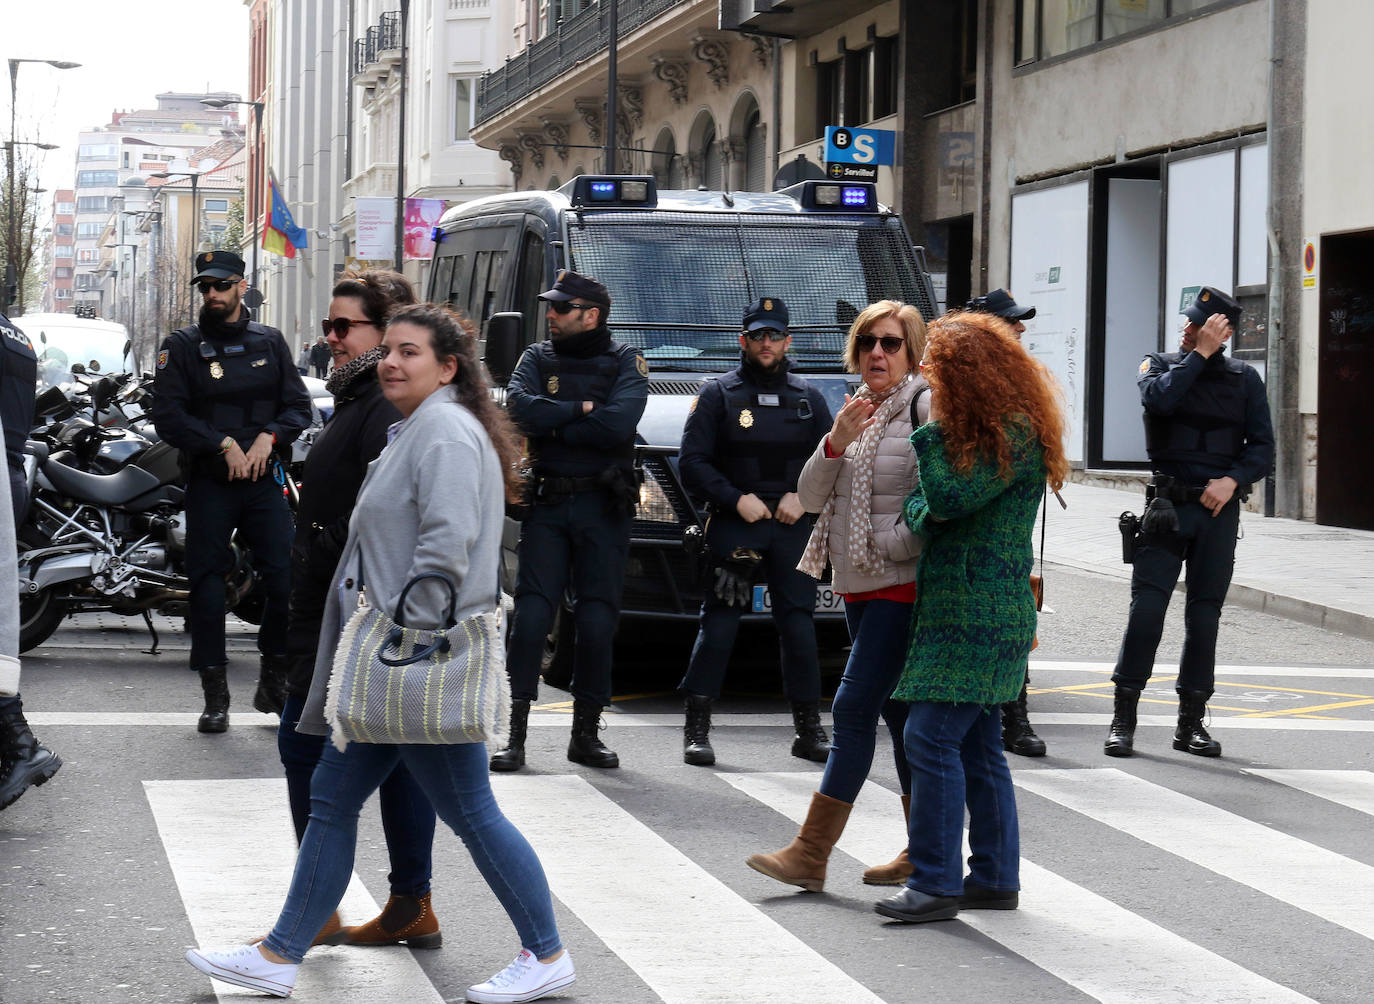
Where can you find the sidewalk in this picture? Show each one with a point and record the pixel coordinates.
(1322, 575)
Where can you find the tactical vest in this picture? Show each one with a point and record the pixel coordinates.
(764, 445)
(236, 384)
(18, 375)
(570, 378)
(1208, 427)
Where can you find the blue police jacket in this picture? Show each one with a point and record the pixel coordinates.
(18, 385)
(1205, 418)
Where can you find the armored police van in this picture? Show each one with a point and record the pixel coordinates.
(680, 266)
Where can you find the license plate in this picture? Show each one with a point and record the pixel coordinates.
(827, 600)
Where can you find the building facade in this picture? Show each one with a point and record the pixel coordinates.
(58, 287)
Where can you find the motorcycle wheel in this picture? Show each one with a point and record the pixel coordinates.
(39, 613)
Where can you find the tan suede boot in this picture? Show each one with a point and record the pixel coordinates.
(802, 862)
(404, 920)
(898, 870)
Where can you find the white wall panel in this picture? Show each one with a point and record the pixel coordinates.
(1252, 262)
(1200, 231)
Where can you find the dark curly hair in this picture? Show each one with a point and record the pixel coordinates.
(454, 336)
(379, 290)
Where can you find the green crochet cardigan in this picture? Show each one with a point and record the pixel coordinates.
(974, 617)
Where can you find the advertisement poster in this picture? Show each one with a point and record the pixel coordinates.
(422, 215)
(376, 228)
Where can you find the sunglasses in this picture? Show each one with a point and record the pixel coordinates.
(219, 285)
(340, 325)
(891, 343)
(771, 334)
(567, 306)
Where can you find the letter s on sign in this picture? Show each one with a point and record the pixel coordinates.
(864, 150)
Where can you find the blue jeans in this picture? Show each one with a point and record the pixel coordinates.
(956, 756)
(407, 817)
(879, 630)
(455, 779)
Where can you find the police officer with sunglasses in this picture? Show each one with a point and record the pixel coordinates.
(228, 395)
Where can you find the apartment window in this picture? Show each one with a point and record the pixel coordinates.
(88, 256)
(64, 229)
(858, 65)
(87, 281)
(97, 179)
(885, 80)
(98, 151)
(828, 78)
(1049, 28)
(216, 205)
(62, 273)
(62, 251)
(65, 208)
(93, 204)
(61, 294)
(88, 231)
(464, 92)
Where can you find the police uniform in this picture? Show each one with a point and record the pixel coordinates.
(1205, 418)
(582, 496)
(751, 432)
(237, 380)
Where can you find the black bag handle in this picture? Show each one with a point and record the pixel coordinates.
(441, 642)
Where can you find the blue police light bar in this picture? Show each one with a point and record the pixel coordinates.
(592, 190)
(835, 197)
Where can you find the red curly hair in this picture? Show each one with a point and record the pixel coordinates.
(981, 377)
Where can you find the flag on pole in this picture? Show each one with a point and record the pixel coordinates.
(280, 235)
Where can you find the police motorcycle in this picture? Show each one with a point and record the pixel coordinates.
(106, 529)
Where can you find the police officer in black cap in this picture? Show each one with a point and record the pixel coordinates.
(743, 449)
(578, 397)
(1209, 438)
(1017, 734)
(24, 761)
(228, 395)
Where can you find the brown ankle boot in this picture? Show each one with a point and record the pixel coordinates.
(898, 870)
(404, 920)
(802, 862)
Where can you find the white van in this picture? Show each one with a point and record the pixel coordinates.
(63, 339)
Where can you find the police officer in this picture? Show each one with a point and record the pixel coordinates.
(1017, 735)
(578, 397)
(743, 449)
(23, 760)
(1209, 437)
(228, 395)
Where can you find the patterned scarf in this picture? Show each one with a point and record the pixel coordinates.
(863, 556)
(341, 381)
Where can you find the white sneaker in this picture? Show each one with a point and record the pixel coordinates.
(525, 979)
(245, 966)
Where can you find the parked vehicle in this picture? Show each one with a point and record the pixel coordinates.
(63, 341)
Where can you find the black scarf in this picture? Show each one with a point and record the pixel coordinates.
(775, 376)
(348, 380)
(584, 344)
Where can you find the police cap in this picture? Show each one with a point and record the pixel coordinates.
(766, 312)
(571, 286)
(1211, 300)
(1000, 302)
(216, 265)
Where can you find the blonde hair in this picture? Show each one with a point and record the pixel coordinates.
(913, 328)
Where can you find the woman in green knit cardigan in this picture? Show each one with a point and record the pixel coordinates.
(995, 438)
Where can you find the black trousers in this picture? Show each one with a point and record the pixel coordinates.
(258, 510)
(579, 541)
(793, 596)
(1209, 548)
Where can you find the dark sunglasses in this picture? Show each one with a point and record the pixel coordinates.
(772, 334)
(218, 285)
(891, 343)
(340, 325)
(567, 306)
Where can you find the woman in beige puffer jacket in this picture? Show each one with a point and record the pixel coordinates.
(857, 480)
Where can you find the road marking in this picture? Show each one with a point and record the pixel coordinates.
(1320, 672)
(1352, 788)
(1075, 935)
(231, 850)
(734, 952)
(1290, 870)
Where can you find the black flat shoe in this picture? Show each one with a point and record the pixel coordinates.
(978, 897)
(912, 907)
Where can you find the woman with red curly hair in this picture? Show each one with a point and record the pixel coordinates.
(994, 439)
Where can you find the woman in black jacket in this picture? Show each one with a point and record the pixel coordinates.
(333, 474)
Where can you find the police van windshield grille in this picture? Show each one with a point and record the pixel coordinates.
(679, 282)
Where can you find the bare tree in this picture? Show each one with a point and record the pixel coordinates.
(20, 239)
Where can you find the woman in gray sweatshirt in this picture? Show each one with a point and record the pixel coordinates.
(433, 501)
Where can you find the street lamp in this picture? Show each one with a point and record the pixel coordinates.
(11, 273)
(195, 210)
(133, 285)
(255, 181)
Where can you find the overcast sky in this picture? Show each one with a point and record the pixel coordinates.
(130, 51)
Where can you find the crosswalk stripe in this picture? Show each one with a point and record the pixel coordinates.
(1311, 672)
(231, 850)
(1290, 870)
(1352, 788)
(1077, 936)
(734, 953)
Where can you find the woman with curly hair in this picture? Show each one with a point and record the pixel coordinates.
(994, 439)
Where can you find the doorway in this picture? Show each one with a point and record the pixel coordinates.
(1345, 376)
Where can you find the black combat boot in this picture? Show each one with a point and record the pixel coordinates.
(1190, 736)
(271, 693)
(1121, 737)
(810, 742)
(512, 757)
(1017, 735)
(696, 733)
(24, 761)
(215, 717)
(586, 747)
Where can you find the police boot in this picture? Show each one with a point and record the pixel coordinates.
(512, 756)
(24, 761)
(1017, 735)
(1121, 737)
(586, 747)
(696, 733)
(1190, 736)
(215, 717)
(810, 742)
(270, 697)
